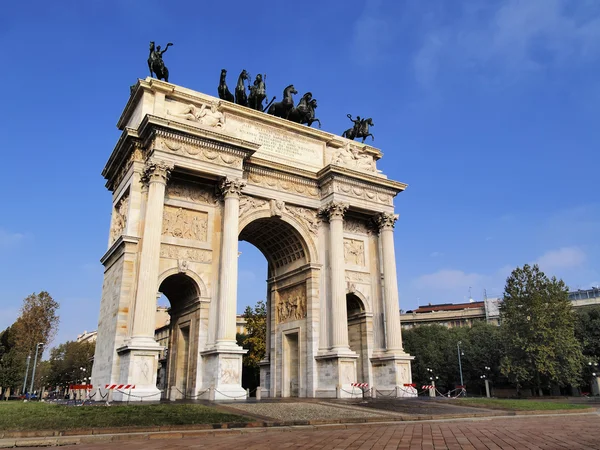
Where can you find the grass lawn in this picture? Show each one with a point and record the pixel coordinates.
(520, 405)
(20, 416)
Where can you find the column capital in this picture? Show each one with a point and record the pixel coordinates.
(231, 187)
(157, 171)
(334, 210)
(386, 221)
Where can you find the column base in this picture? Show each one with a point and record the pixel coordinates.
(337, 372)
(222, 371)
(391, 371)
(265, 378)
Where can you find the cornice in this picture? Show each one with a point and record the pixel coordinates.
(332, 173)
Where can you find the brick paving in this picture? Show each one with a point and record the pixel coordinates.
(567, 432)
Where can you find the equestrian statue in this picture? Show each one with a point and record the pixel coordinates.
(156, 64)
(304, 113)
(282, 109)
(224, 93)
(258, 92)
(360, 128)
(240, 89)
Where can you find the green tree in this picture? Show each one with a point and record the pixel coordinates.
(538, 329)
(66, 361)
(12, 362)
(254, 340)
(587, 331)
(432, 347)
(38, 322)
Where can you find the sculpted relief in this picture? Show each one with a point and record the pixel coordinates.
(177, 189)
(204, 114)
(291, 304)
(353, 158)
(185, 223)
(119, 219)
(354, 252)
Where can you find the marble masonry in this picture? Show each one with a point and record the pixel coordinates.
(192, 175)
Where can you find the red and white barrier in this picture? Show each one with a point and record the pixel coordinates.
(360, 385)
(119, 386)
(428, 386)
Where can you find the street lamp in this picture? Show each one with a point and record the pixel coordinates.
(459, 362)
(37, 349)
(485, 379)
(26, 373)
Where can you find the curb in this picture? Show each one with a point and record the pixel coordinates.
(48, 438)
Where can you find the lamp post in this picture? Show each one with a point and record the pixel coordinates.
(485, 379)
(460, 362)
(26, 373)
(37, 349)
(593, 366)
(432, 378)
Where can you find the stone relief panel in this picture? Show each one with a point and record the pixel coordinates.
(288, 184)
(205, 114)
(356, 226)
(248, 204)
(357, 190)
(354, 252)
(185, 224)
(357, 277)
(180, 190)
(185, 253)
(229, 371)
(119, 218)
(308, 217)
(291, 304)
(201, 152)
(354, 158)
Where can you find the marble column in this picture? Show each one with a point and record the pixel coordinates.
(156, 175)
(228, 269)
(386, 223)
(339, 316)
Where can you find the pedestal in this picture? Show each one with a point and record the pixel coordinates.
(222, 371)
(392, 372)
(138, 368)
(336, 372)
(265, 379)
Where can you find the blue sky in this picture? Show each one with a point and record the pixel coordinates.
(487, 109)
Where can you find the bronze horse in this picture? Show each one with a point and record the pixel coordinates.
(156, 64)
(360, 129)
(240, 89)
(283, 108)
(304, 113)
(224, 93)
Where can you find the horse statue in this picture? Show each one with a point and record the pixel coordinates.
(156, 64)
(240, 89)
(304, 113)
(360, 129)
(224, 93)
(258, 92)
(283, 108)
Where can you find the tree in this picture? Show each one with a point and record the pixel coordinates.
(12, 362)
(66, 362)
(538, 328)
(587, 331)
(38, 322)
(254, 341)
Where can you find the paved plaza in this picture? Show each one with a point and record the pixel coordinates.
(572, 432)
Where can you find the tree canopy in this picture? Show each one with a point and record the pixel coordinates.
(538, 330)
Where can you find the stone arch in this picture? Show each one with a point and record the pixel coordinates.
(203, 292)
(358, 333)
(298, 227)
(366, 304)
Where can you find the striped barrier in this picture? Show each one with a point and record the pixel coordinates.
(360, 385)
(119, 386)
(428, 386)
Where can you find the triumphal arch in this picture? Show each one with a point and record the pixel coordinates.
(191, 175)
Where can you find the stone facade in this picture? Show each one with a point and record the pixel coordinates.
(190, 176)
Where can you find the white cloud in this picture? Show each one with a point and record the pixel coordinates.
(447, 279)
(511, 39)
(8, 239)
(563, 258)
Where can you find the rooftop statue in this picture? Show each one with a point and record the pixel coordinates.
(258, 92)
(283, 108)
(360, 128)
(240, 89)
(156, 63)
(224, 93)
(304, 113)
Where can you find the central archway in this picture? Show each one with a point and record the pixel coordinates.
(288, 249)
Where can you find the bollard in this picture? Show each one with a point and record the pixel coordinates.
(258, 394)
(338, 391)
(398, 392)
(247, 393)
(487, 388)
(432, 390)
(211, 393)
(373, 392)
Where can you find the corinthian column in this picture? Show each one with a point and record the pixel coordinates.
(339, 317)
(228, 268)
(156, 174)
(386, 223)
